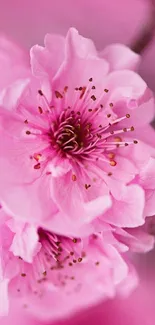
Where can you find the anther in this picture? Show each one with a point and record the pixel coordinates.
(37, 156)
(65, 89)
(40, 110)
(40, 92)
(111, 155)
(93, 97)
(80, 259)
(74, 178)
(113, 163)
(118, 139)
(87, 186)
(58, 94)
(37, 166)
(82, 92)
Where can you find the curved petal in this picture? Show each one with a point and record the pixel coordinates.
(127, 208)
(125, 83)
(150, 203)
(28, 201)
(137, 239)
(4, 299)
(120, 57)
(140, 115)
(90, 200)
(46, 61)
(25, 243)
(79, 45)
(10, 96)
(147, 175)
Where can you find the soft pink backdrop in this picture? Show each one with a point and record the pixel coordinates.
(104, 21)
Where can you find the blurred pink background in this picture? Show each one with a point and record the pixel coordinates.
(104, 21)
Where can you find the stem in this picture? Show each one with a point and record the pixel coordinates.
(147, 34)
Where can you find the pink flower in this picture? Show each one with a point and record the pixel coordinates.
(52, 275)
(75, 137)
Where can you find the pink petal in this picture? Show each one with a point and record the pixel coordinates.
(25, 243)
(146, 135)
(46, 61)
(128, 207)
(79, 45)
(16, 157)
(10, 96)
(4, 300)
(91, 202)
(147, 175)
(140, 116)
(120, 57)
(34, 199)
(126, 83)
(138, 240)
(150, 203)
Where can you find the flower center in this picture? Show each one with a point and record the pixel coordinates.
(71, 134)
(88, 130)
(57, 249)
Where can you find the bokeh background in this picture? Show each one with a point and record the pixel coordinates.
(105, 21)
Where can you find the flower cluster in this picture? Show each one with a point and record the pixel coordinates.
(77, 164)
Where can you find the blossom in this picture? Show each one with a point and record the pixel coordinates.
(52, 275)
(72, 138)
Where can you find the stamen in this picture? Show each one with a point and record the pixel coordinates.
(37, 166)
(74, 178)
(58, 94)
(28, 132)
(113, 163)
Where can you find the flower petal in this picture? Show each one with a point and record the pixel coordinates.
(127, 208)
(25, 243)
(120, 57)
(4, 299)
(46, 61)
